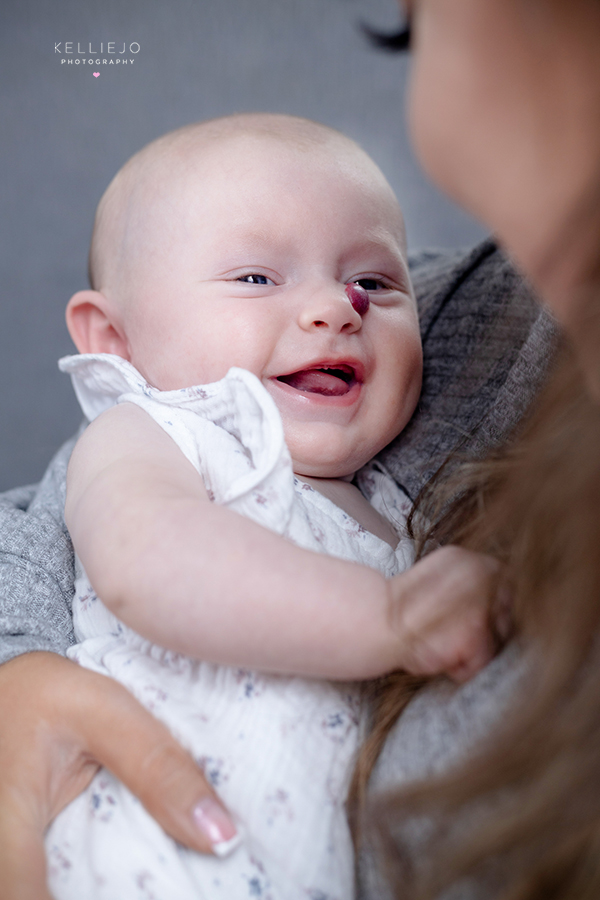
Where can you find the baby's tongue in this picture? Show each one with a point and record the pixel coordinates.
(317, 381)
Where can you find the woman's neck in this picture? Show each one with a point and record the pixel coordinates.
(567, 278)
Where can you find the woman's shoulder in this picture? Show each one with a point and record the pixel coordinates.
(486, 349)
(441, 727)
(445, 723)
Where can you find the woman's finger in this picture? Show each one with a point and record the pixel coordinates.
(58, 724)
(142, 753)
(22, 856)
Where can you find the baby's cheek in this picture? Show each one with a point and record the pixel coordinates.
(405, 384)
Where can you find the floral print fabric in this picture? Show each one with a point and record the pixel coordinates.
(279, 750)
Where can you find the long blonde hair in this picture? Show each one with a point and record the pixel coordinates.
(535, 786)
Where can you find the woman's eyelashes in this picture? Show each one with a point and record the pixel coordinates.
(397, 41)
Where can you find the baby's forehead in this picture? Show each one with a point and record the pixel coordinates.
(156, 187)
(207, 157)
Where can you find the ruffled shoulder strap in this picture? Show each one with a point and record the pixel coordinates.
(99, 379)
(230, 430)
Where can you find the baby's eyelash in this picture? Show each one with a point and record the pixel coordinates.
(255, 279)
(371, 284)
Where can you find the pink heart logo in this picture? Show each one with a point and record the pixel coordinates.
(96, 74)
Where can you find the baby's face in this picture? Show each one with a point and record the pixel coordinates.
(243, 260)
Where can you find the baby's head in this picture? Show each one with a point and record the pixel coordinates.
(232, 243)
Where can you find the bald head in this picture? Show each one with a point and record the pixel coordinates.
(144, 196)
(236, 243)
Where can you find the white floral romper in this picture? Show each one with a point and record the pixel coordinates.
(279, 750)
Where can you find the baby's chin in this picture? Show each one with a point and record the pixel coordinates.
(324, 465)
(328, 452)
(306, 471)
(315, 458)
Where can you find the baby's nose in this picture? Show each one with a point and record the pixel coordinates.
(335, 310)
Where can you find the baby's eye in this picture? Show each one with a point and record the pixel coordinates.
(255, 279)
(371, 284)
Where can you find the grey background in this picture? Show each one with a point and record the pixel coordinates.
(64, 133)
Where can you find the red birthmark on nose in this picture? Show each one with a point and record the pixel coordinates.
(358, 297)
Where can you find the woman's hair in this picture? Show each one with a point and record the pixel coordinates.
(520, 819)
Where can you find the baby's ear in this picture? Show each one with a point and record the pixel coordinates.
(94, 326)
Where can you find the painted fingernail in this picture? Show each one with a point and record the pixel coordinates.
(213, 821)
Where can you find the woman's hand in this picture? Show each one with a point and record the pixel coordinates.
(58, 724)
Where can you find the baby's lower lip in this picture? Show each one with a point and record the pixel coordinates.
(311, 405)
(328, 382)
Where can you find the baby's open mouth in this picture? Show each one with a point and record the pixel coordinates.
(331, 381)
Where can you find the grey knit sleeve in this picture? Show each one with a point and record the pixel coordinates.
(487, 344)
(36, 565)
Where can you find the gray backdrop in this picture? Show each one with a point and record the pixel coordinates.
(64, 133)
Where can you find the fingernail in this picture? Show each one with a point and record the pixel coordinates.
(213, 821)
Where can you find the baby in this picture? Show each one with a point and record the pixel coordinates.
(250, 342)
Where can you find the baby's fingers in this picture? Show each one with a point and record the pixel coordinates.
(466, 668)
(458, 647)
(446, 616)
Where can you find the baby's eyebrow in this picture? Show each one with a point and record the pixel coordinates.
(252, 239)
(244, 247)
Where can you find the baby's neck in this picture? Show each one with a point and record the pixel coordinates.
(350, 499)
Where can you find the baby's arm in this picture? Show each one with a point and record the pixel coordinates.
(200, 579)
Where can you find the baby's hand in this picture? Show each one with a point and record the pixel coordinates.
(441, 610)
